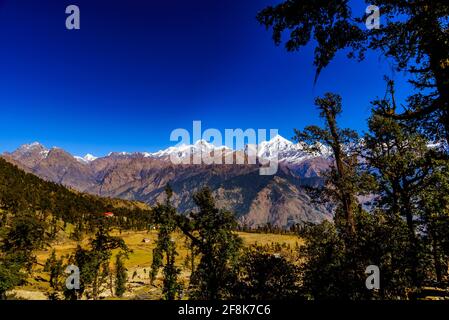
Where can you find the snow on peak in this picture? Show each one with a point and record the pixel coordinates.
(35, 149)
(86, 159)
(278, 142)
(287, 151)
(184, 150)
(279, 139)
(31, 146)
(277, 147)
(118, 154)
(204, 145)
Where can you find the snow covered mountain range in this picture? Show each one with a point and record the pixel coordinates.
(285, 150)
(256, 200)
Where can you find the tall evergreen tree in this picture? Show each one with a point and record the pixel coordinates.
(165, 218)
(211, 231)
(172, 287)
(54, 267)
(265, 276)
(398, 156)
(18, 240)
(342, 179)
(94, 264)
(121, 275)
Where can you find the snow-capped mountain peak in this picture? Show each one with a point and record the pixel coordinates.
(276, 148)
(183, 150)
(89, 157)
(31, 146)
(278, 139)
(35, 148)
(203, 145)
(275, 145)
(118, 154)
(86, 159)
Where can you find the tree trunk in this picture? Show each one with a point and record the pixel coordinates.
(412, 238)
(111, 283)
(338, 153)
(438, 52)
(435, 253)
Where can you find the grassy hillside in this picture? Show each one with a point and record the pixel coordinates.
(139, 262)
(21, 191)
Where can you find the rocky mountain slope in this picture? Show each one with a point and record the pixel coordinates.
(278, 199)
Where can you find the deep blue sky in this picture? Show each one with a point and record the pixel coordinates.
(139, 69)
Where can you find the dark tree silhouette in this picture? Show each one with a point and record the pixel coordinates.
(414, 34)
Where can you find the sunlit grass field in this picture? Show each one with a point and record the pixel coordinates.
(141, 245)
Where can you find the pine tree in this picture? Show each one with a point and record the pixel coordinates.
(398, 157)
(55, 269)
(172, 287)
(18, 240)
(435, 206)
(265, 276)
(342, 179)
(211, 232)
(121, 275)
(165, 218)
(94, 264)
(11, 275)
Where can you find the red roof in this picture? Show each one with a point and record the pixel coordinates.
(108, 214)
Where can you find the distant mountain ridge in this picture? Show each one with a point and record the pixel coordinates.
(257, 200)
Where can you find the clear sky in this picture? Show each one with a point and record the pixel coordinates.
(139, 69)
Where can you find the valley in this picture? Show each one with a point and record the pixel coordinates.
(279, 200)
(141, 244)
